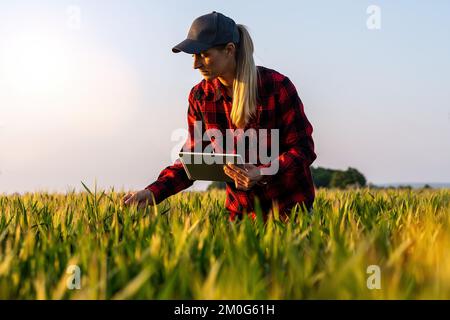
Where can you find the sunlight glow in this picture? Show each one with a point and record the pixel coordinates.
(84, 87)
(34, 64)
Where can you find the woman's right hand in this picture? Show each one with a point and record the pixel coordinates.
(142, 198)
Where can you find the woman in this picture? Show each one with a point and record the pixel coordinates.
(236, 94)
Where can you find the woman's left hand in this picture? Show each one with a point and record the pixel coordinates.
(244, 178)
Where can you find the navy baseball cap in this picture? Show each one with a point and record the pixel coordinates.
(207, 31)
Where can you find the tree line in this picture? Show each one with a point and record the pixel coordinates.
(324, 178)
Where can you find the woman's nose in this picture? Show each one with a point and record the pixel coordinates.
(197, 62)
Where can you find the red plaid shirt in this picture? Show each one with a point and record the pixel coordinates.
(278, 107)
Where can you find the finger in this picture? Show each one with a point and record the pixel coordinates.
(242, 175)
(131, 199)
(126, 197)
(243, 183)
(238, 169)
(243, 180)
(229, 172)
(240, 184)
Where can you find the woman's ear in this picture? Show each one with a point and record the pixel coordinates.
(231, 48)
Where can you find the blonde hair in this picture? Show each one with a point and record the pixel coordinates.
(245, 85)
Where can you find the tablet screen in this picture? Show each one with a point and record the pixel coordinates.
(208, 166)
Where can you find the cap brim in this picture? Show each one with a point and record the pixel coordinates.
(190, 46)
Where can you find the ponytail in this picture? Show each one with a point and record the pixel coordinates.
(245, 86)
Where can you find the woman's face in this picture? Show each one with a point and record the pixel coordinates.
(214, 62)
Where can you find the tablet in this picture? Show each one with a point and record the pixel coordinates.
(208, 166)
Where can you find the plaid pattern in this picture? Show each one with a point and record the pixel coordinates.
(279, 107)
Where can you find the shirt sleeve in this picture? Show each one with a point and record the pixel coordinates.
(296, 145)
(174, 179)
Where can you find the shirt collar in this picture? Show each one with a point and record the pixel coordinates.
(219, 90)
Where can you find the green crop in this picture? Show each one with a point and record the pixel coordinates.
(186, 248)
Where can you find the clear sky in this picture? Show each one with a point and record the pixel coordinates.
(97, 95)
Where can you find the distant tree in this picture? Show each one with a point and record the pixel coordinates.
(356, 177)
(427, 186)
(349, 178)
(324, 178)
(219, 185)
(338, 179)
(321, 177)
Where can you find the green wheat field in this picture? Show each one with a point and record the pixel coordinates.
(187, 249)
